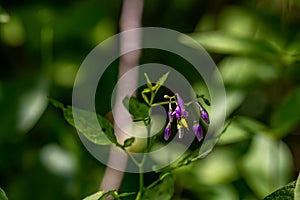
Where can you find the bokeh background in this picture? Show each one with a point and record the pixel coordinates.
(255, 43)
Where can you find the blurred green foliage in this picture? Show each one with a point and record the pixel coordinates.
(256, 45)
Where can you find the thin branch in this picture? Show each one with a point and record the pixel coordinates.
(130, 18)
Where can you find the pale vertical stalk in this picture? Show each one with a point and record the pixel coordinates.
(130, 18)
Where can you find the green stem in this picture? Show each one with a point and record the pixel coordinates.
(141, 183)
(141, 164)
(158, 180)
(162, 103)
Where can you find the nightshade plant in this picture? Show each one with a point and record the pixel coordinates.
(177, 115)
(177, 124)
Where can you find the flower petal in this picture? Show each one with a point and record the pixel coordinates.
(167, 132)
(198, 131)
(204, 115)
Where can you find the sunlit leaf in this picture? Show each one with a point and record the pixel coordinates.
(286, 193)
(102, 136)
(224, 43)
(241, 71)
(99, 132)
(209, 172)
(3, 195)
(234, 133)
(164, 190)
(139, 110)
(267, 165)
(95, 196)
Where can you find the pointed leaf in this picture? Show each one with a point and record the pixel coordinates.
(162, 79)
(86, 124)
(164, 190)
(286, 193)
(89, 127)
(94, 196)
(3, 195)
(149, 84)
(139, 110)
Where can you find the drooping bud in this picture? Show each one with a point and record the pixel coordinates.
(167, 132)
(204, 115)
(197, 129)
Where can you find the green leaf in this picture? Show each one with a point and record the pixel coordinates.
(149, 84)
(234, 133)
(89, 127)
(3, 195)
(297, 189)
(243, 71)
(225, 43)
(139, 110)
(128, 142)
(95, 196)
(164, 190)
(267, 165)
(287, 115)
(162, 80)
(98, 131)
(284, 193)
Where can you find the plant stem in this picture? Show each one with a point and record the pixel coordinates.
(141, 164)
(141, 183)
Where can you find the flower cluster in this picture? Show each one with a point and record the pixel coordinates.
(180, 114)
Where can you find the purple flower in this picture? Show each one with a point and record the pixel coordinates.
(204, 115)
(167, 131)
(203, 112)
(180, 102)
(170, 115)
(198, 131)
(177, 112)
(180, 114)
(180, 109)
